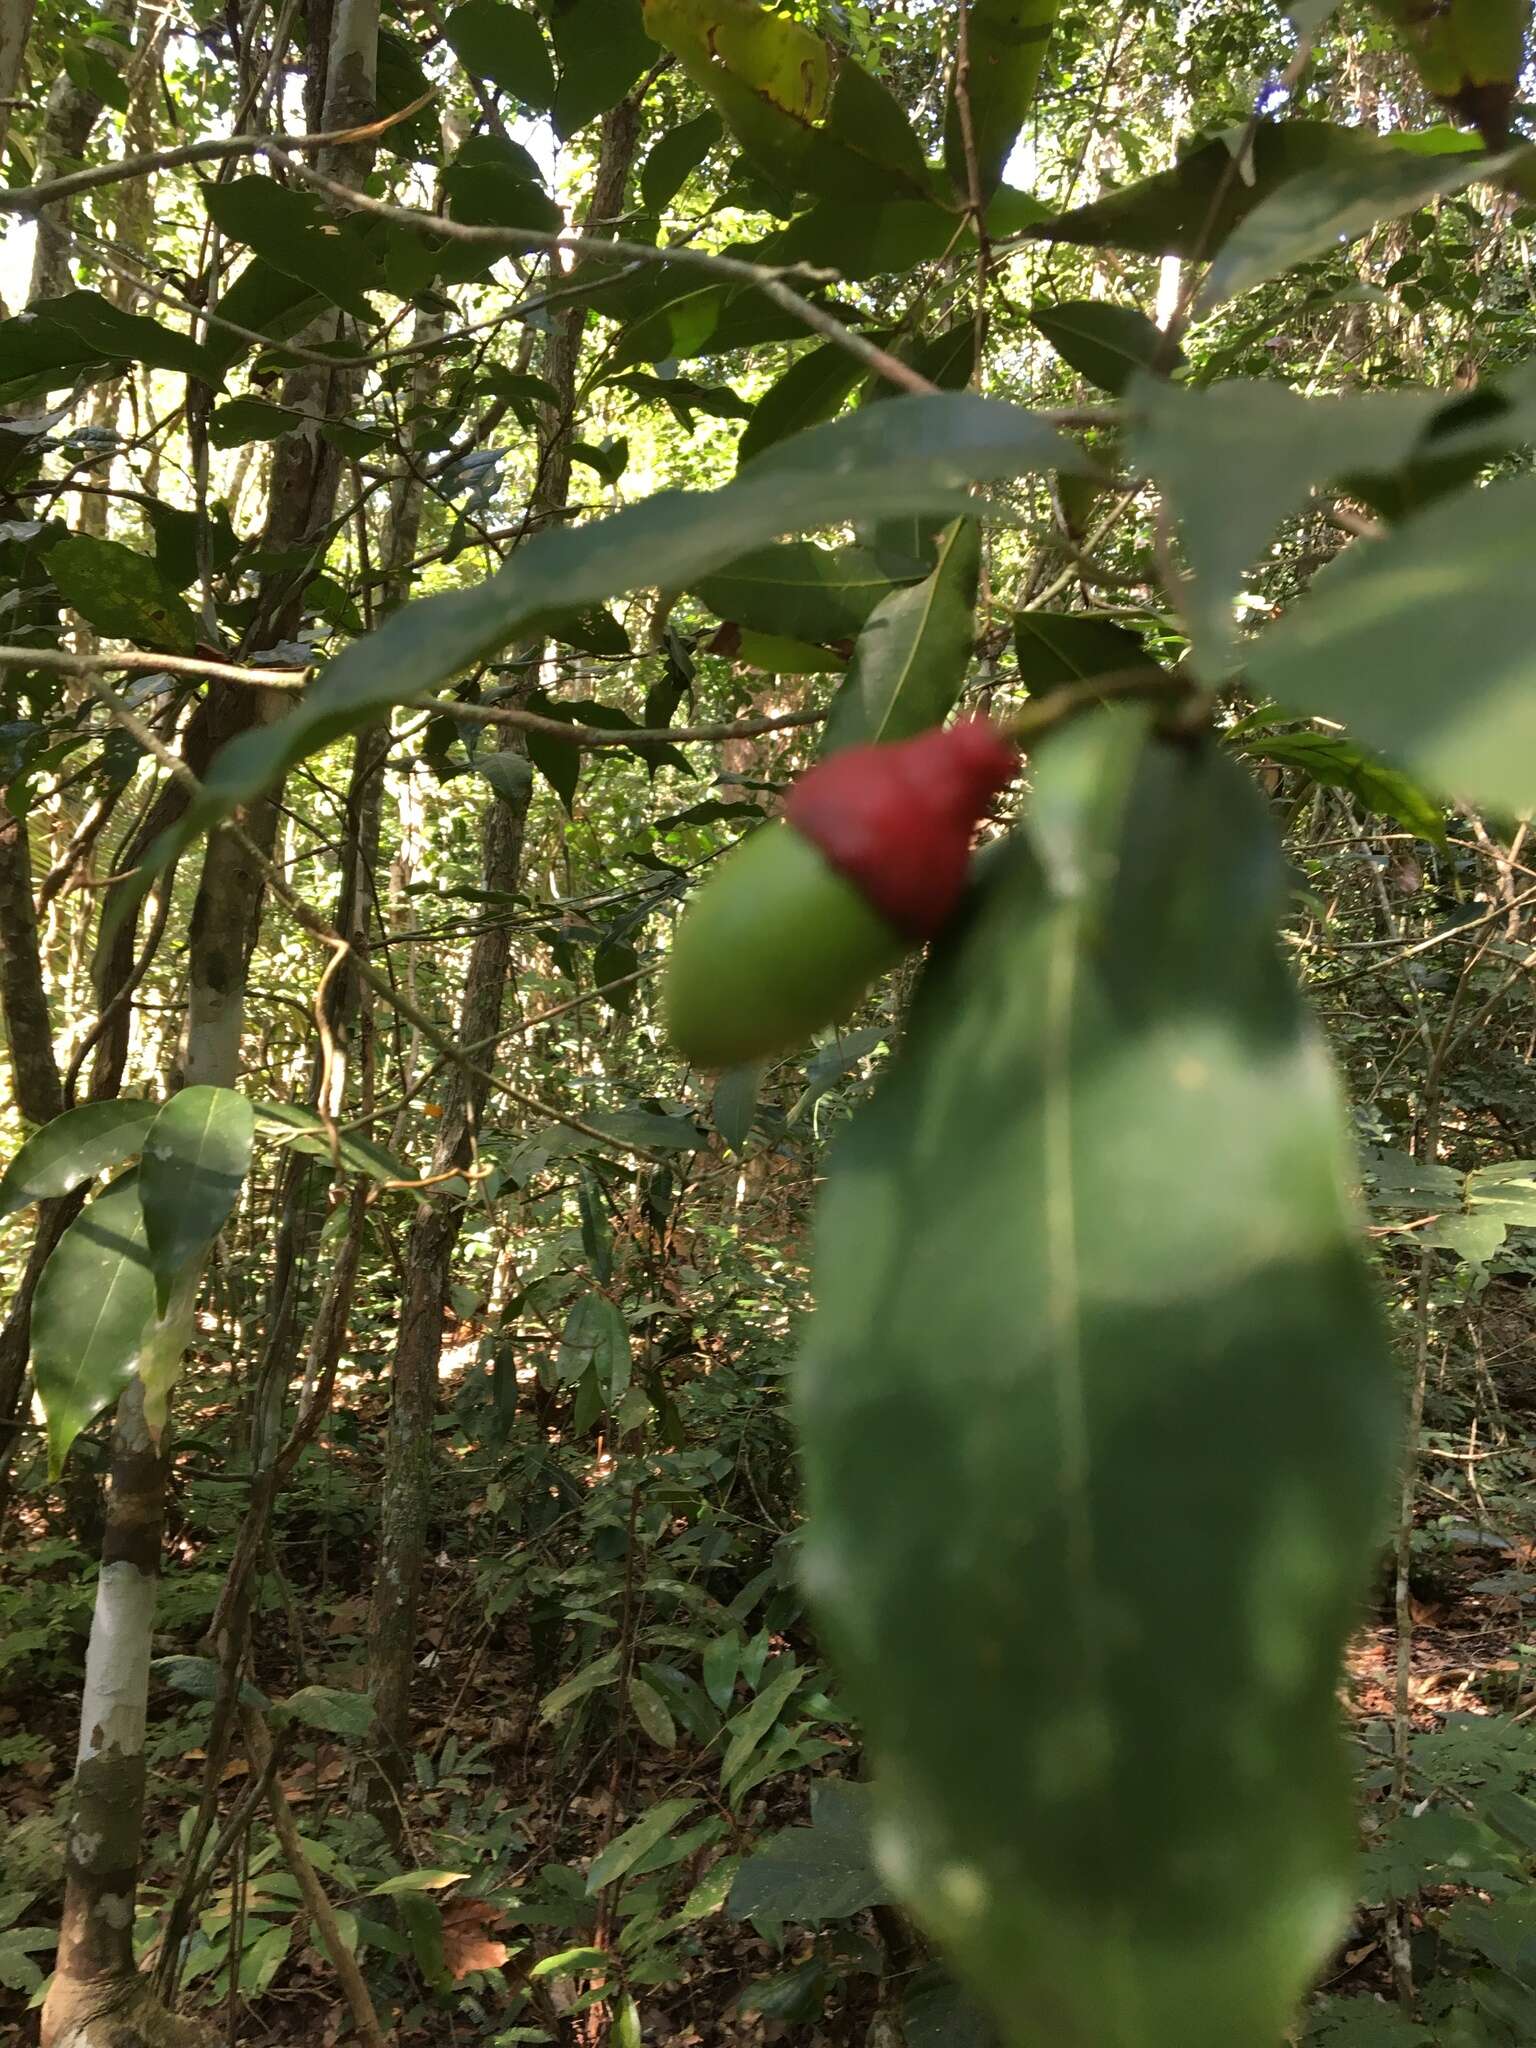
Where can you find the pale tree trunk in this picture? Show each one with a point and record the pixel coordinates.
(97, 1998)
(71, 115)
(406, 1495)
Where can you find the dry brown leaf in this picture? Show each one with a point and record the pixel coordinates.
(468, 1943)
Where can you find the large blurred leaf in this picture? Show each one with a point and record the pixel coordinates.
(94, 1305)
(196, 1154)
(910, 659)
(674, 157)
(120, 592)
(1424, 644)
(1197, 444)
(73, 1149)
(1090, 1250)
(815, 1874)
(912, 455)
(807, 592)
(503, 44)
(1320, 209)
(865, 239)
(1190, 210)
(1007, 41)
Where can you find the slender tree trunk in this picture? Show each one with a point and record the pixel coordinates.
(306, 470)
(39, 1096)
(15, 27)
(406, 1498)
(97, 1998)
(71, 115)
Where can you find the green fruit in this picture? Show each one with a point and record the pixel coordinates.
(775, 945)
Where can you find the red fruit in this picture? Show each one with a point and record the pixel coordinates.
(897, 820)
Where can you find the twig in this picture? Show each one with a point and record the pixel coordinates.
(764, 277)
(32, 198)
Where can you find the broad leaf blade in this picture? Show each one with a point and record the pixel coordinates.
(1007, 43)
(73, 1149)
(1282, 446)
(1318, 210)
(1087, 1256)
(1423, 645)
(1107, 343)
(910, 661)
(196, 1154)
(95, 1304)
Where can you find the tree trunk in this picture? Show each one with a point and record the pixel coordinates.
(406, 1497)
(97, 1998)
(71, 115)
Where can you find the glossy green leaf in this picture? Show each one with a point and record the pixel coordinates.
(733, 1107)
(1282, 446)
(73, 1149)
(813, 388)
(1315, 212)
(57, 340)
(294, 233)
(251, 419)
(120, 592)
(1007, 43)
(773, 653)
(198, 1677)
(721, 1662)
(649, 1708)
(815, 1874)
(748, 1728)
(504, 45)
(626, 1850)
(1337, 762)
(602, 1671)
(1421, 644)
(675, 157)
(866, 239)
(196, 1153)
(94, 1306)
(1108, 344)
(304, 1130)
(601, 48)
(798, 588)
(407, 1881)
(1071, 647)
(1090, 1251)
(336, 1710)
(809, 118)
(910, 661)
(595, 1337)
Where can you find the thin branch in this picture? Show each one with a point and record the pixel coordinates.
(32, 198)
(764, 277)
(142, 658)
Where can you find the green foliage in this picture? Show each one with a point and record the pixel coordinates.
(1111, 1017)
